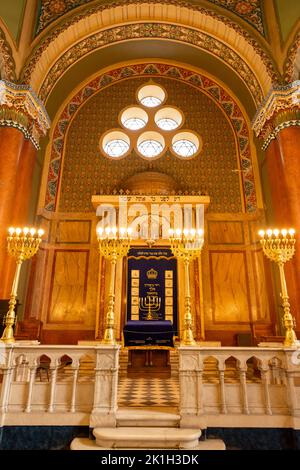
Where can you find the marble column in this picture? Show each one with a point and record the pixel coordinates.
(277, 124)
(23, 120)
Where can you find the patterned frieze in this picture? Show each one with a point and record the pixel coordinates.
(279, 110)
(22, 109)
(250, 11)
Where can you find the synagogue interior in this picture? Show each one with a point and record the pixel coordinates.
(149, 224)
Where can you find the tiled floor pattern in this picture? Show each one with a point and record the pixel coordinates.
(148, 392)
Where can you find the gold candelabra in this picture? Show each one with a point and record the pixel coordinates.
(150, 304)
(22, 244)
(187, 245)
(113, 245)
(279, 246)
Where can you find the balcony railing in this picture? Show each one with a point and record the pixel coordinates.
(231, 387)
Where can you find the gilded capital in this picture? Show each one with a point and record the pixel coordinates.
(21, 108)
(280, 109)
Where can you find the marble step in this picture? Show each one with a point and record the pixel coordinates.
(127, 417)
(147, 437)
(83, 443)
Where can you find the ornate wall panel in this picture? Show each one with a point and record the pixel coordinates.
(225, 233)
(69, 287)
(230, 287)
(73, 231)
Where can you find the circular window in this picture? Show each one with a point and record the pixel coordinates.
(116, 144)
(168, 118)
(185, 144)
(151, 95)
(150, 144)
(134, 118)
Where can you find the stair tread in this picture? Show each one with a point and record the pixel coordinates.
(146, 414)
(147, 433)
(81, 443)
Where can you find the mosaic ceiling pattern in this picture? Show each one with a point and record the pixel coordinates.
(249, 10)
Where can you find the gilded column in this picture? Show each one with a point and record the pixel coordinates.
(23, 120)
(277, 124)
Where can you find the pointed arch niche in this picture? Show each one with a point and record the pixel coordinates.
(231, 256)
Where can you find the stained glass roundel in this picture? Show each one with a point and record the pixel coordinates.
(150, 144)
(185, 144)
(151, 95)
(116, 147)
(134, 123)
(150, 148)
(134, 118)
(115, 144)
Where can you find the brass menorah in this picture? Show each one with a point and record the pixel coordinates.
(113, 244)
(150, 304)
(279, 247)
(22, 244)
(187, 245)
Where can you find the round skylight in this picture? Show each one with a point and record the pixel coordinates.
(151, 95)
(168, 118)
(134, 123)
(134, 118)
(116, 144)
(184, 148)
(150, 144)
(185, 144)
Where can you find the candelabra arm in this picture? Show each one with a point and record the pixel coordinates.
(109, 334)
(284, 292)
(188, 338)
(288, 321)
(10, 319)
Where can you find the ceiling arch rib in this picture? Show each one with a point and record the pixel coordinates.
(180, 20)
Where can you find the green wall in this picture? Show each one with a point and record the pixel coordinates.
(288, 12)
(11, 13)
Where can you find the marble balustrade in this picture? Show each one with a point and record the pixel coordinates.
(219, 387)
(78, 383)
(239, 387)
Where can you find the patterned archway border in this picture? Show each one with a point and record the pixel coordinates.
(153, 31)
(63, 25)
(214, 90)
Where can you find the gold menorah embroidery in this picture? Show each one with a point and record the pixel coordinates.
(150, 304)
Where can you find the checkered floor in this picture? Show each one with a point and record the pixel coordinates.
(148, 392)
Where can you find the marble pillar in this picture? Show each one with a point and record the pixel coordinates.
(23, 120)
(277, 124)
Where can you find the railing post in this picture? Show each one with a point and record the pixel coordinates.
(30, 388)
(190, 387)
(222, 389)
(106, 386)
(53, 372)
(264, 370)
(6, 362)
(75, 368)
(292, 370)
(244, 395)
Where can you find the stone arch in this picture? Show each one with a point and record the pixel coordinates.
(7, 63)
(99, 26)
(214, 90)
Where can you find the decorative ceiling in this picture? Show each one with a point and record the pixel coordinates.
(251, 10)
